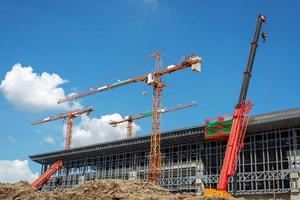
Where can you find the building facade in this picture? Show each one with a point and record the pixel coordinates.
(269, 162)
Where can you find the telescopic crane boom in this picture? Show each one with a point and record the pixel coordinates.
(46, 176)
(131, 118)
(240, 122)
(70, 116)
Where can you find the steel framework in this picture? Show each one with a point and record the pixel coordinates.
(269, 162)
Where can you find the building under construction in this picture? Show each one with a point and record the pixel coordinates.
(269, 162)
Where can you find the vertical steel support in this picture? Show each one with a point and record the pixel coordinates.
(129, 128)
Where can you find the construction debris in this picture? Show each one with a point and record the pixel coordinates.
(99, 189)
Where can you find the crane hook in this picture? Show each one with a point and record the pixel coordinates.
(264, 36)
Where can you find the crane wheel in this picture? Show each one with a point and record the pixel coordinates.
(218, 193)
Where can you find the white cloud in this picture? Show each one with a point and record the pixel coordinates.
(30, 91)
(96, 130)
(49, 140)
(12, 171)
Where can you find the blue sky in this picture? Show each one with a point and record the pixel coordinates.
(99, 42)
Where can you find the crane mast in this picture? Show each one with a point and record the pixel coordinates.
(240, 122)
(155, 153)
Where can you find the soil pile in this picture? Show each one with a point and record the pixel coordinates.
(99, 189)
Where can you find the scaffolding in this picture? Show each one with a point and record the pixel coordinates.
(269, 162)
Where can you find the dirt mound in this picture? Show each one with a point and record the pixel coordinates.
(18, 191)
(99, 189)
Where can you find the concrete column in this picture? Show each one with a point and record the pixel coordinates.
(199, 183)
(132, 175)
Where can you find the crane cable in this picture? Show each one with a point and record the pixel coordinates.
(170, 57)
(264, 32)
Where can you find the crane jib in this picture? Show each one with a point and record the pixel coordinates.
(190, 62)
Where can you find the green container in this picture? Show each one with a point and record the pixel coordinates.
(212, 127)
(226, 126)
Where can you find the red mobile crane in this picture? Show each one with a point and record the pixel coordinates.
(240, 122)
(45, 177)
(153, 79)
(70, 116)
(131, 118)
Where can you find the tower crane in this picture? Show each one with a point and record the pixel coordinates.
(131, 118)
(240, 122)
(153, 79)
(70, 116)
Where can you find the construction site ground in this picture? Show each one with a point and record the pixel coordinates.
(99, 189)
